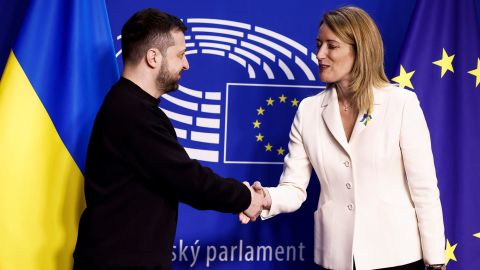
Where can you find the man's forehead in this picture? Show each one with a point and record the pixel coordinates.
(179, 42)
(177, 34)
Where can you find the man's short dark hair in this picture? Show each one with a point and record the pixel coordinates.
(148, 28)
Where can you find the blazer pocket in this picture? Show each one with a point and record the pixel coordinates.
(323, 222)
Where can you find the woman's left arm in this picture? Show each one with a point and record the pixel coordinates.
(420, 171)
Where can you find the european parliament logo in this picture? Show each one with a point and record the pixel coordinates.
(225, 118)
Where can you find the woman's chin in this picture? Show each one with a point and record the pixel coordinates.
(325, 79)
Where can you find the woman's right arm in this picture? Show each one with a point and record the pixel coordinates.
(291, 192)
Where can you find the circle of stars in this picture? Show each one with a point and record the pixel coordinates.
(257, 124)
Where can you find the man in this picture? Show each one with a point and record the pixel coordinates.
(136, 171)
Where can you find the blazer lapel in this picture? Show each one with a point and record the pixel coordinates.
(362, 121)
(331, 116)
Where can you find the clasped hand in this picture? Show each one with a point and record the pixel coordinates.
(260, 201)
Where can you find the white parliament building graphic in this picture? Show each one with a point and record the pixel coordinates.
(197, 113)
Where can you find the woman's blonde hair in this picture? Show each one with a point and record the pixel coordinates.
(355, 27)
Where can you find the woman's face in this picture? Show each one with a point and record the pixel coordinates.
(335, 57)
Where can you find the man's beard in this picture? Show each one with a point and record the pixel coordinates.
(166, 80)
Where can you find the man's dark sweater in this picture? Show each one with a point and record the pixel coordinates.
(135, 176)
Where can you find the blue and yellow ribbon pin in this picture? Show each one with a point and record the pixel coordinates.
(366, 118)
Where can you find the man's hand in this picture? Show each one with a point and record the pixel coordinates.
(266, 195)
(256, 204)
(260, 200)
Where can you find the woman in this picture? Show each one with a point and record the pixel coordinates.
(369, 145)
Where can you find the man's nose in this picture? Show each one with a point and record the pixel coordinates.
(186, 65)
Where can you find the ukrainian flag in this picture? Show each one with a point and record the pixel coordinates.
(55, 79)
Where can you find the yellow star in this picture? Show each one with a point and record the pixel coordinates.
(404, 78)
(270, 101)
(268, 147)
(477, 235)
(256, 124)
(294, 102)
(259, 137)
(445, 63)
(476, 72)
(449, 252)
(282, 98)
(280, 151)
(260, 111)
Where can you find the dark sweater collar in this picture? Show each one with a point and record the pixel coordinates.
(138, 91)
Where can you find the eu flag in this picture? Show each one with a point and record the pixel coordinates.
(258, 119)
(440, 62)
(57, 74)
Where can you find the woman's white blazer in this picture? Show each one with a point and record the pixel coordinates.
(379, 201)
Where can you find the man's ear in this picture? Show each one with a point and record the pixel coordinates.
(153, 57)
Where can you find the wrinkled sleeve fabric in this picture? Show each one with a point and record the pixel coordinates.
(153, 150)
(422, 181)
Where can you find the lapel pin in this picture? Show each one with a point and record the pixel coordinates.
(366, 118)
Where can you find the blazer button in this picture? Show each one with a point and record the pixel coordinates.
(349, 185)
(350, 207)
(347, 163)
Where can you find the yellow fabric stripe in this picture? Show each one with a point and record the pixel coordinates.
(41, 187)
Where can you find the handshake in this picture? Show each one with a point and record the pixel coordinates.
(261, 200)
